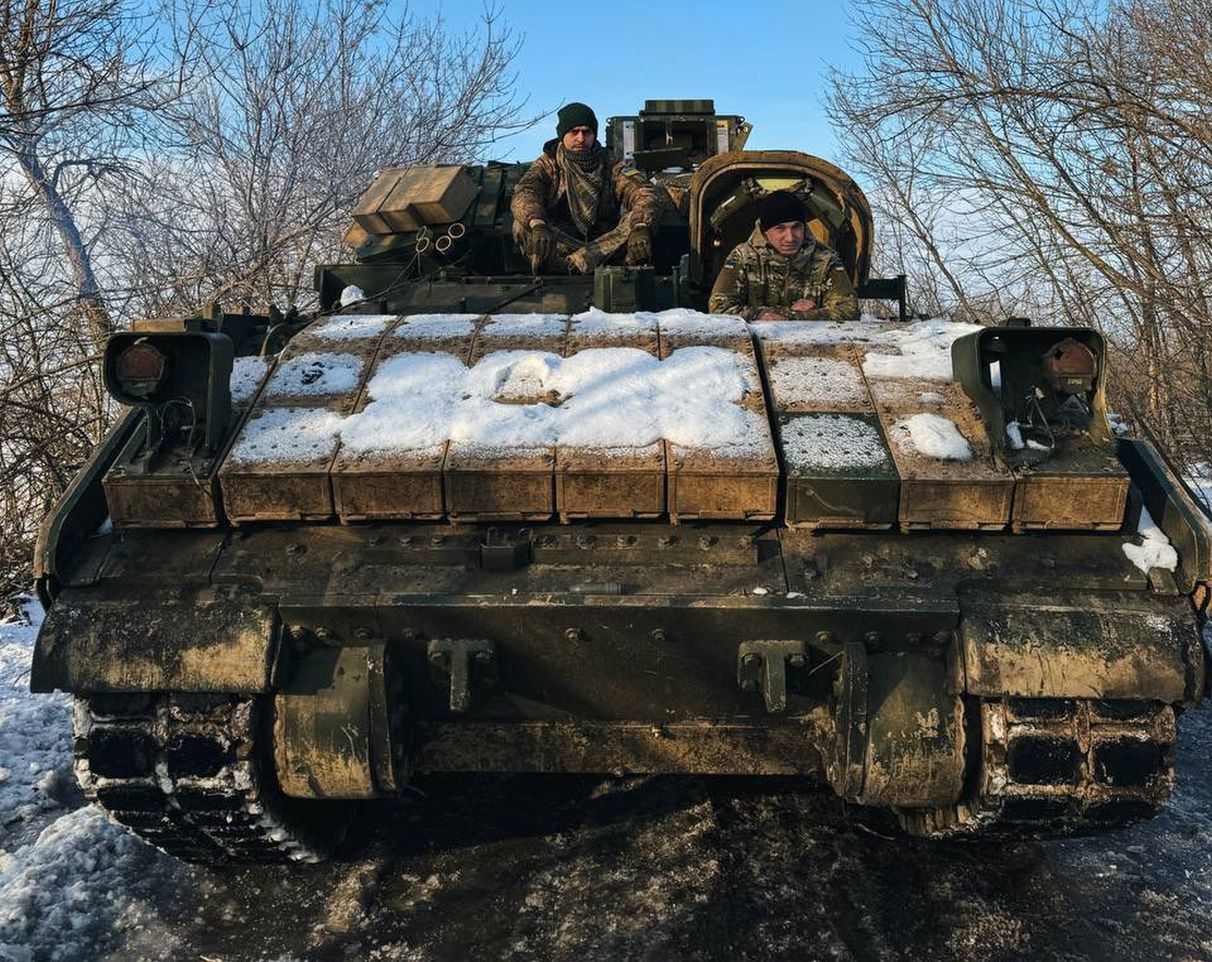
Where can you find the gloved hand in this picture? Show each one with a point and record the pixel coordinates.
(542, 243)
(639, 247)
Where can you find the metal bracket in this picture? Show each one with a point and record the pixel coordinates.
(504, 552)
(763, 664)
(458, 663)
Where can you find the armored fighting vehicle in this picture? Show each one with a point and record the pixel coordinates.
(463, 519)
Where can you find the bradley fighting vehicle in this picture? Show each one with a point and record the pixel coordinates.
(480, 521)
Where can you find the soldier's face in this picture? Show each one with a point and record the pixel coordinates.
(579, 138)
(787, 238)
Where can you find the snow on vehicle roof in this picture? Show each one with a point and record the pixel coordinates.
(1154, 550)
(597, 323)
(817, 332)
(287, 436)
(813, 380)
(832, 442)
(437, 326)
(684, 322)
(599, 398)
(314, 374)
(933, 436)
(921, 350)
(528, 325)
(247, 373)
(348, 327)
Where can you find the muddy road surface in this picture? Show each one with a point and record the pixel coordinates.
(694, 869)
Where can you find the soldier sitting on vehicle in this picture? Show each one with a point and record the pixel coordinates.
(566, 208)
(782, 272)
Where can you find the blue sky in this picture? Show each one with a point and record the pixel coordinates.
(763, 59)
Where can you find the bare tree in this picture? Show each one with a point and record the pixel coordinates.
(294, 108)
(72, 75)
(144, 172)
(1071, 143)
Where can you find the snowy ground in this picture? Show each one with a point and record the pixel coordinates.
(518, 869)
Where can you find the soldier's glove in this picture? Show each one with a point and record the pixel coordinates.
(542, 243)
(639, 247)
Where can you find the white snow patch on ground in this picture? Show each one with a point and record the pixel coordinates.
(921, 350)
(351, 327)
(68, 879)
(1154, 550)
(313, 375)
(810, 380)
(287, 436)
(933, 436)
(832, 441)
(600, 398)
(66, 890)
(247, 373)
(1200, 480)
(932, 398)
(438, 326)
(35, 735)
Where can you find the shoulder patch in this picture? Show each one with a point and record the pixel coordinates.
(629, 169)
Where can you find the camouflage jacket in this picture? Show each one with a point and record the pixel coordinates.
(541, 195)
(756, 278)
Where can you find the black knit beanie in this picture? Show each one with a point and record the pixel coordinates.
(575, 115)
(780, 207)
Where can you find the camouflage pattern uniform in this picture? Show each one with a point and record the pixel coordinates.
(541, 194)
(756, 278)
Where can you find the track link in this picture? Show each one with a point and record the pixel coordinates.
(1057, 767)
(185, 773)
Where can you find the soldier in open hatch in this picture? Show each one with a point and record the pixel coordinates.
(782, 272)
(566, 208)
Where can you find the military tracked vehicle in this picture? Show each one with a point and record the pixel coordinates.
(463, 519)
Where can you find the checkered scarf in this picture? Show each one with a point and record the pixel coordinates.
(584, 173)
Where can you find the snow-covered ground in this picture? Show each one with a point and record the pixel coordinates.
(70, 881)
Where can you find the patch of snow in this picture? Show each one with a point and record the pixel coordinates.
(1118, 424)
(351, 327)
(686, 323)
(350, 294)
(1014, 434)
(801, 380)
(314, 374)
(922, 350)
(600, 398)
(1035, 445)
(595, 323)
(1154, 550)
(524, 325)
(933, 436)
(247, 373)
(105, 527)
(438, 326)
(287, 436)
(1199, 477)
(761, 591)
(932, 398)
(832, 441)
(816, 332)
(36, 767)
